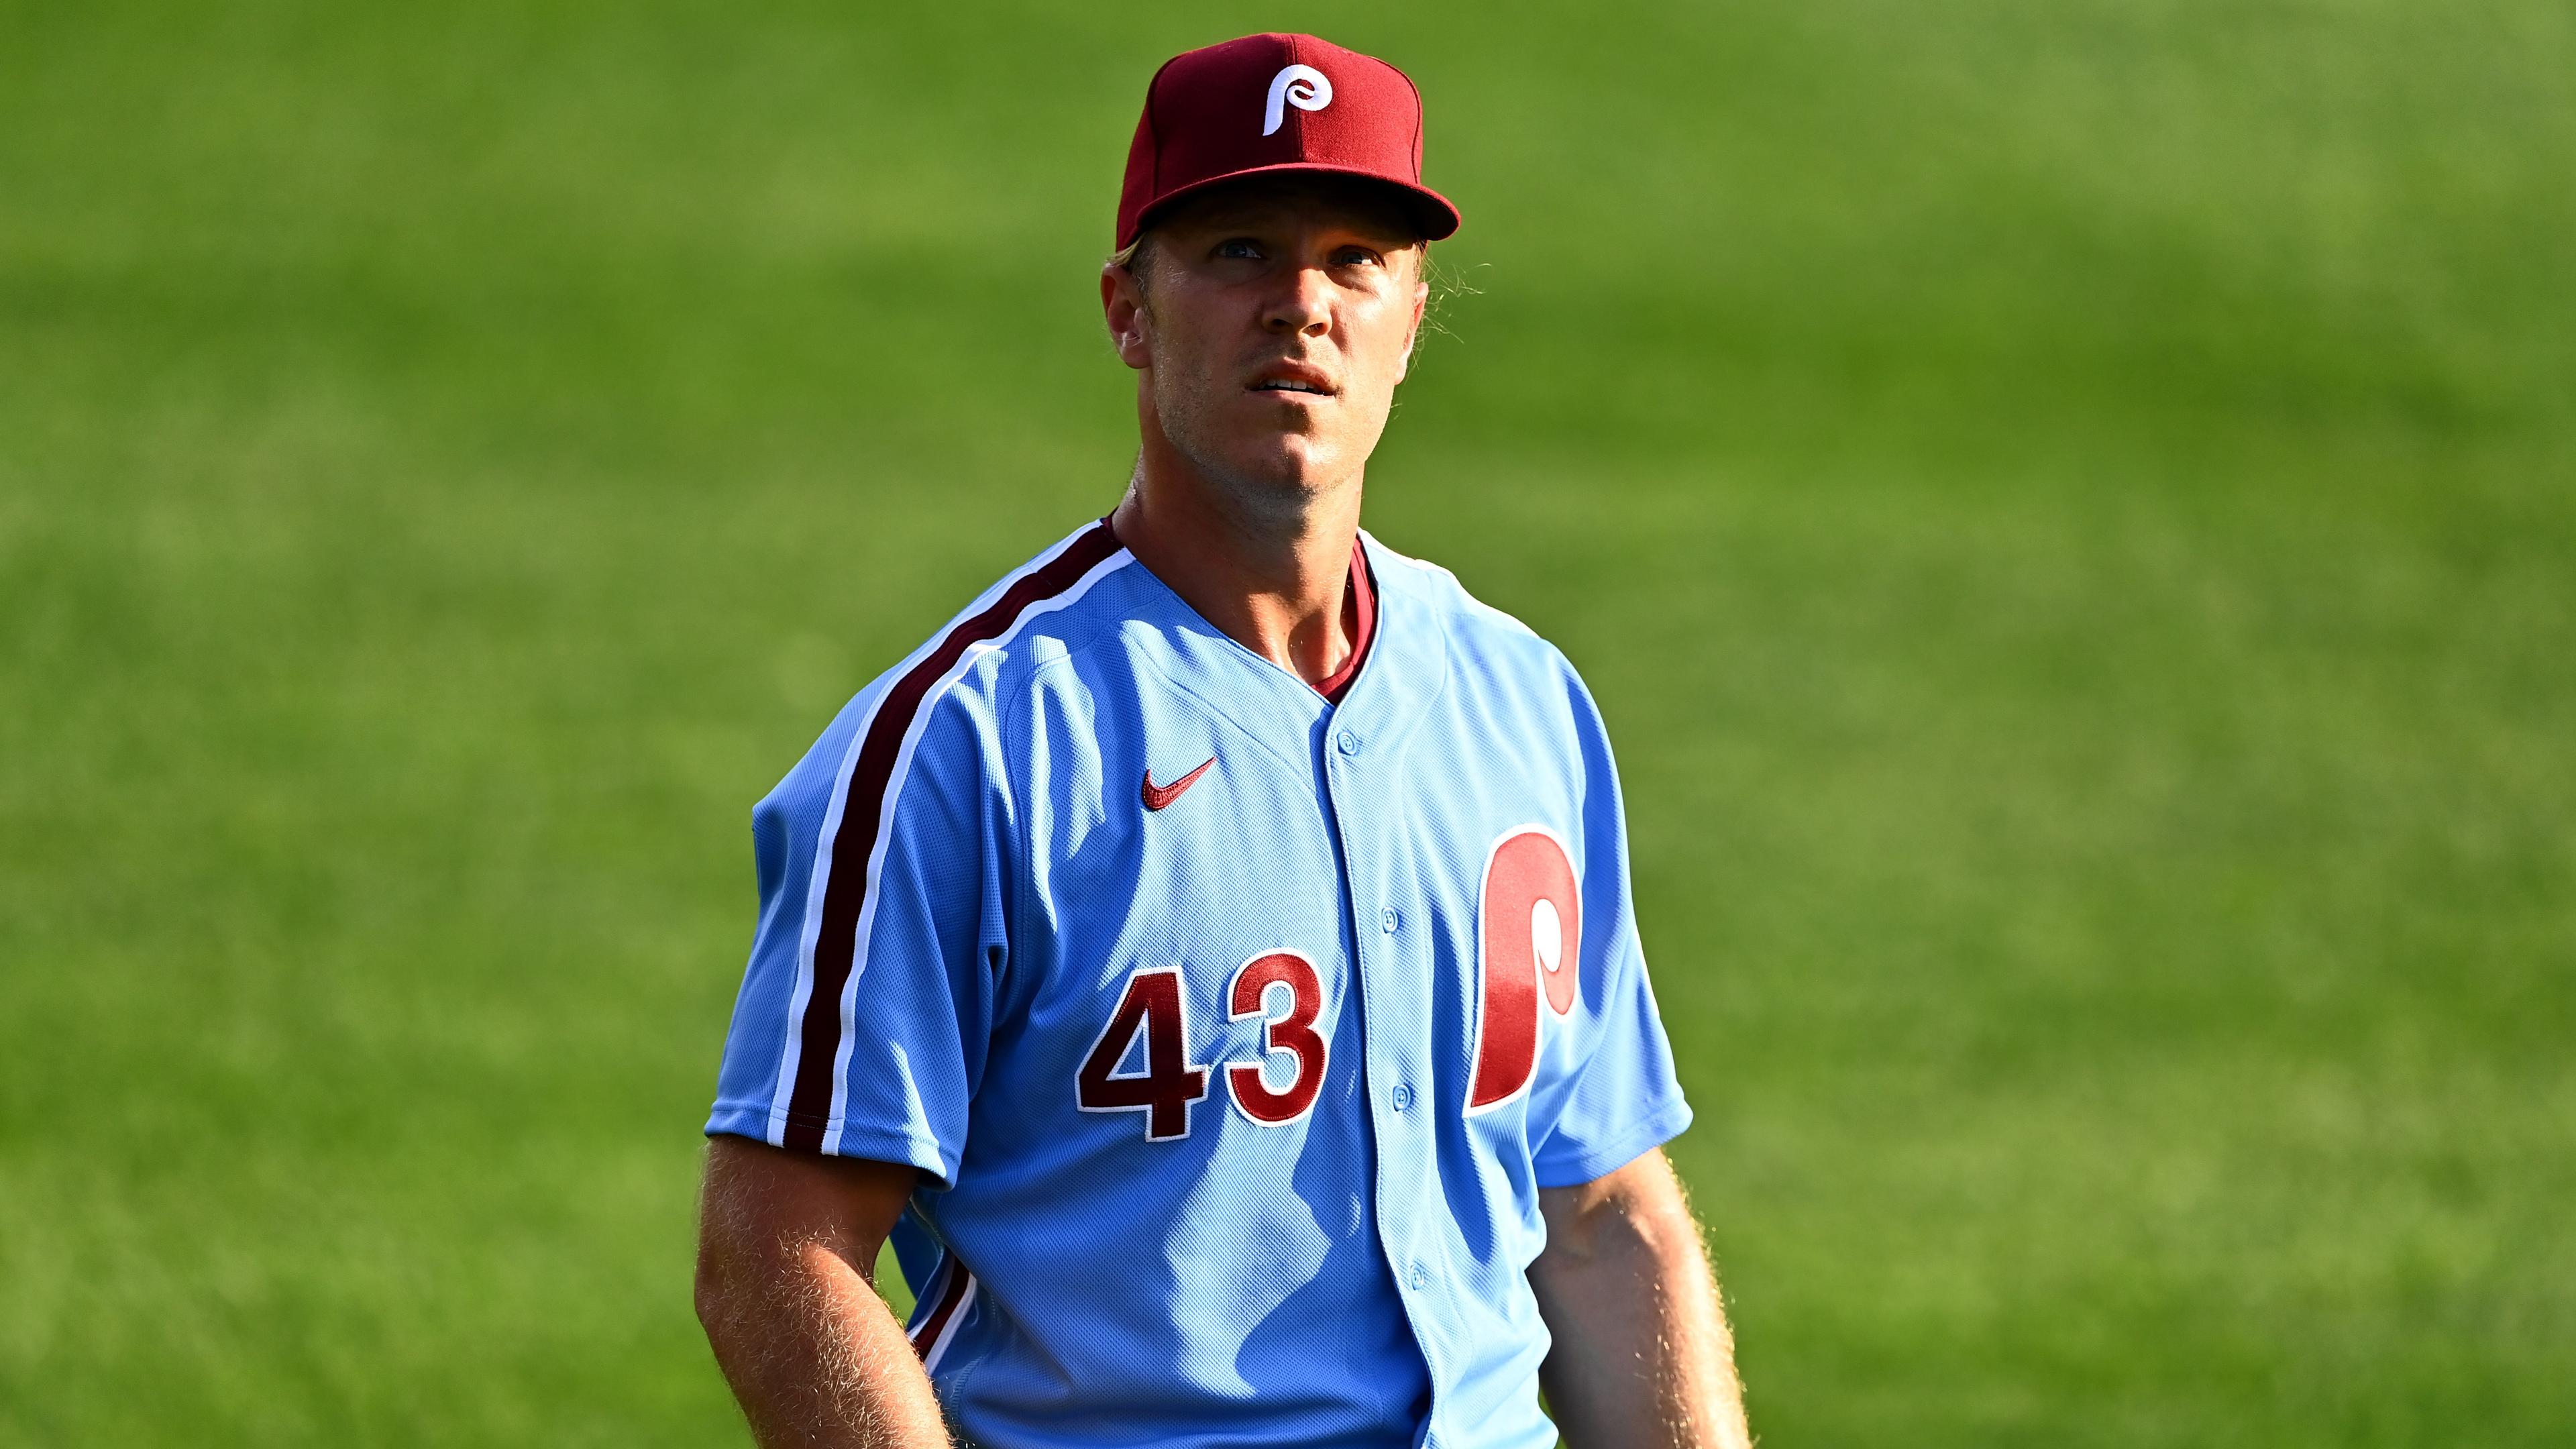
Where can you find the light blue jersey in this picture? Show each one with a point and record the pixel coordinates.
(1234, 1031)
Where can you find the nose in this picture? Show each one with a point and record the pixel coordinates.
(1302, 306)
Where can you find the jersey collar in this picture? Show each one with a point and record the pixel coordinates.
(1403, 669)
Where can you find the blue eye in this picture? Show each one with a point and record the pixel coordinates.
(1241, 246)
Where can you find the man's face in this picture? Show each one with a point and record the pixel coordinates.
(1272, 325)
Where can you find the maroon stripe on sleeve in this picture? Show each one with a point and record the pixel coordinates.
(809, 1106)
(926, 1337)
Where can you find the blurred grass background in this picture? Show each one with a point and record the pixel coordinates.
(2069, 509)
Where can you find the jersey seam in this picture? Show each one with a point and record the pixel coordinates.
(1023, 901)
(1018, 696)
(1015, 701)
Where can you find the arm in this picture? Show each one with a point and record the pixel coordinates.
(787, 1255)
(1642, 1356)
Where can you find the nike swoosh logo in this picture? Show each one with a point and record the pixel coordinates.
(1158, 796)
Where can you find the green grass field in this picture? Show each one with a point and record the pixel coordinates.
(2070, 510)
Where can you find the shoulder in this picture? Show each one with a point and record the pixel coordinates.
(1051, 607)
(1482, 638)
(940, 705)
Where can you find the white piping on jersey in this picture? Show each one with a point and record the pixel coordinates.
(782, 1093)
(938, 1347)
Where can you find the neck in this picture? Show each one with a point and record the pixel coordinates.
(1272, 572)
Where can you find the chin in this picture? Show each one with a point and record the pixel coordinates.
(1260, 459)
(1290, 464)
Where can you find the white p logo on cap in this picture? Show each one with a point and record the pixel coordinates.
(1302, 86)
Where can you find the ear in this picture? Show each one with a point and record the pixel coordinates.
(1413, 329)
(1122, 307)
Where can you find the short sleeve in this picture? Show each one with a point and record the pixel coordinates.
(865, 1011)
(1618, 1098)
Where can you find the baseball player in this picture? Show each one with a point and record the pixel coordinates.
(1209, 957)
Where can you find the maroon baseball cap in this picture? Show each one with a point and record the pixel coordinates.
(1276, 103)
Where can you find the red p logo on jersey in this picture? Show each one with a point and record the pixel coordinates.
(1529, 931)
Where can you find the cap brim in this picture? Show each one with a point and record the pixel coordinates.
(1433, 214)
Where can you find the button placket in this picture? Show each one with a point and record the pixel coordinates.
(1368, 816)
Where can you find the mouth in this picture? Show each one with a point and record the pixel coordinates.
(1293, 379)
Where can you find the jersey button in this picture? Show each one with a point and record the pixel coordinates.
(1403, 1096)
(1388, 920)
(1421, 1277)
(1347, 743)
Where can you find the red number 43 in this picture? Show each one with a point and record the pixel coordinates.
(1156, 1007)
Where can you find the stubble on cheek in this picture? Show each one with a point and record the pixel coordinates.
(1234, 436)
(1180, 405)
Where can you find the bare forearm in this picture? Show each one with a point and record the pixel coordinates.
(1642, 1354)
(785, 1249)
(818, 1361)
